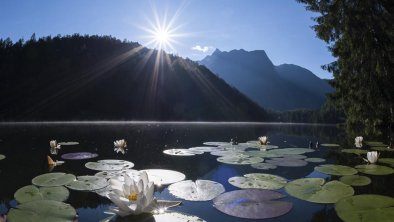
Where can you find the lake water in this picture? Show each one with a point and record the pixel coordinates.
(26, 146)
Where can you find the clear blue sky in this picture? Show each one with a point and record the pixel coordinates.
(280, 27)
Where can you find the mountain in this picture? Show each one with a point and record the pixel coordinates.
(283, 87)
(101, 78)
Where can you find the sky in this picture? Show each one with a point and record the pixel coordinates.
(195, 28)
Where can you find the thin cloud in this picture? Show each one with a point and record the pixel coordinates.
(203, 49)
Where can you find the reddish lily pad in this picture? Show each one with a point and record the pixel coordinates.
(79, 156)
(252, 204)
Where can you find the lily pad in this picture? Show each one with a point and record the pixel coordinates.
(252, 204)
(71, 143)
(315, 160)
(118, 175)
(206, 148)
(88, 183)
(182, 152)
(338, 170)
(256, 145)
(239, 160)
(374, 169)
(2, 157)
(176, 217)
(263, 166)
(226, 153)
(53, 179)
(287, 162)
(164, 177)
(217, 143)
(295, 156)
(201, 190)
(293, 151)
(79, 156)
(330, 145)
(43, 211)
(366, 208)
(355, 180)
(263, 154)
(31, 193)
(375, 143)
(382, 148)
(355, 151)
(124, 163)
(389, 161)
(317, 191)
(103, 166)
(258, 180)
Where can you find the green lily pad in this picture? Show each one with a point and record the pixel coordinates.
(256, 145)
(216, 143)
(317, 191)
(374, 169)
(201, 190)
(88, 183)
(366, 208)
(293, 151)
(258, 180)
(338, 170)
(43, 211)
(389, 161)
(382, 148)
(355, 180)
(287, 162)
(315, 160)
(164, 177)
(225, 153)
(295, 156)
(263, 154)
(206, 148)
(118, 175)
(176, 217)
(2, 157)
(355, 151)
(31, 193)
(53, 179)
(239, 160)
(263, 166)
(71, 143)
(103, 166)
(375, 143)
(330, 145)
(182, 152)
(124, 163)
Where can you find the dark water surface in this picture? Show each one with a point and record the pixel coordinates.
(26, 147)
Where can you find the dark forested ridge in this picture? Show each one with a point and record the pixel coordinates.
(101, 78)
(284, 87)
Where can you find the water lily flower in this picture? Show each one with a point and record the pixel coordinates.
(358, 141)
(120, 146)
(133, 197)
(263, 140)
(55, 147)
(372, 157)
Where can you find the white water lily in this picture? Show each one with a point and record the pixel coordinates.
(55, 147)
(372, 157)
(120, 146)
(263, 140)
(133, 197)
(358, 141)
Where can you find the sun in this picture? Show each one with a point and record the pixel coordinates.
(162, 36)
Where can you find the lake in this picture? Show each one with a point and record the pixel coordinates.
(26, 146)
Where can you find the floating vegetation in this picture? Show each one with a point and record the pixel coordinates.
(71, 143)
(355, 180)
(79, 156)
(315, 160)
(259, 153)
(42, 210)
(118, 175)
(295, 156)
(32, 193)
(338, 170)
(53, 179)
(109, 165)
(226, 153)
(252, 204)
(259, 181)
(206, 148)
(287, 162)
(164, 177)
(382, 148)
(330, 145)
(239, 159)
(366, 208)
(293, 151)
(217, 143)
(317, 191)
(182, 152)
(263, 166)
(389, 161)
(2, 157)
(376, 143)
(201, 190)
(88, 183)
(355, 151)
(256, 144)
(176, 217)
(374, 169)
